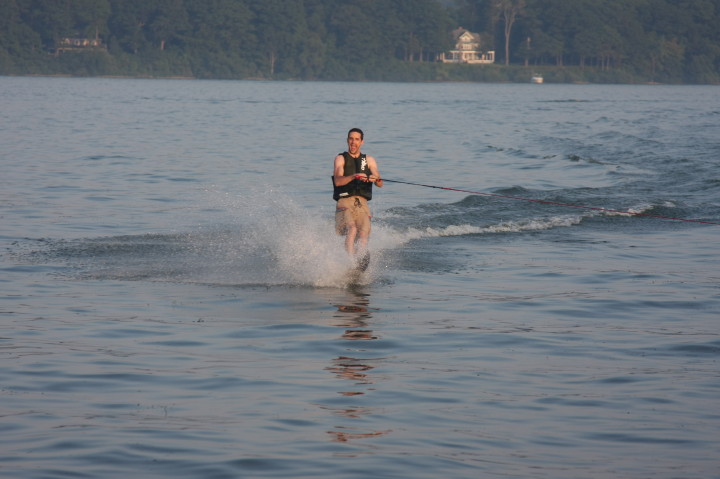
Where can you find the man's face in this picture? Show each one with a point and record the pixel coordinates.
(354, 143)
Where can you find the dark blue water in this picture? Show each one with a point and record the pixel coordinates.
(174, 302)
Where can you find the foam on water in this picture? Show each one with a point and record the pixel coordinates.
(265, 238)
(391, 238)
(396, 238)
(297, 246)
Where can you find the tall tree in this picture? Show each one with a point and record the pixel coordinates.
(17, 38)
(220, 42)
(475, 15)
(52, 19)
(360, 41)
(315, 44)
(508, 11)
(127, 24)
(90, 17)
(168, 22)
(279, 28)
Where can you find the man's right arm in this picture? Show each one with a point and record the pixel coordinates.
(339, 169)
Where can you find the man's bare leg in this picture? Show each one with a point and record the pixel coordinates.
(350, 240)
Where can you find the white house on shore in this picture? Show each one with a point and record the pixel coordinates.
(78, 44)
(467, 49)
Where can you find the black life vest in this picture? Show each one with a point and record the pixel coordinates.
(354, 166)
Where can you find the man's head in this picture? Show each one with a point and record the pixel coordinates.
(355, 140)
(357, 130)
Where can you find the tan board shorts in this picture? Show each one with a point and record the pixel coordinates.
(353, 210)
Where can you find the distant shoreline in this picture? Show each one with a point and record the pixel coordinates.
(290, 80)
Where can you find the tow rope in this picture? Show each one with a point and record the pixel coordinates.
(556, 203)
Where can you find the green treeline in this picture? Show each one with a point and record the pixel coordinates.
(669, 41)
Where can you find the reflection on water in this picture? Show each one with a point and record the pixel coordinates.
(353, 369)
(344, 435)
(354, 317)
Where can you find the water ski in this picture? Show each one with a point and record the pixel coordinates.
(363, 262)
(359, 267)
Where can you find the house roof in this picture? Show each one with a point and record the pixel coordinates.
(458, 32)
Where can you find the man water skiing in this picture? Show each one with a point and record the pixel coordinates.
(353, 176)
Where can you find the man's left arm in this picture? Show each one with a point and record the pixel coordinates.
(374, 173)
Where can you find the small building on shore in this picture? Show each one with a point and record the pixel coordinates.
(69, 44)
(467, 49)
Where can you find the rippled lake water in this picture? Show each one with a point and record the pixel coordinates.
(175, 303)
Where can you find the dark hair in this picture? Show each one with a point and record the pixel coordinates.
(357, 130)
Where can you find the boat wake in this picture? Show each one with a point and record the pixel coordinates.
(268, 240)
(267, 243)
(480, 218)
